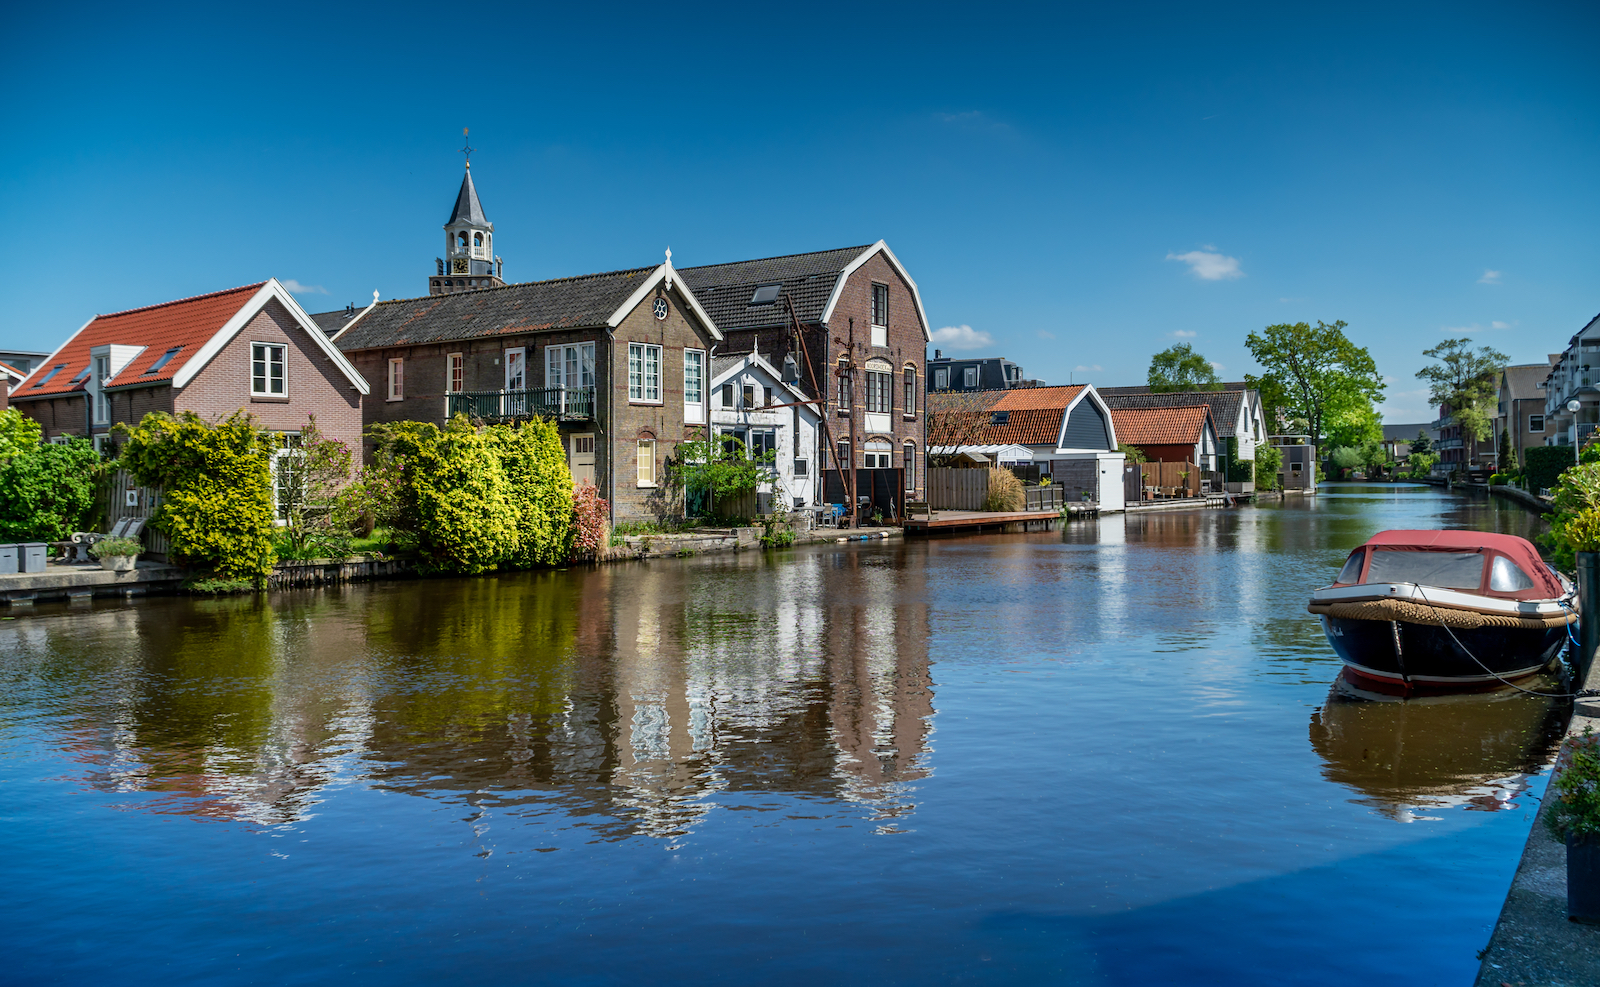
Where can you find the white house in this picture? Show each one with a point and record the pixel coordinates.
(751, 402)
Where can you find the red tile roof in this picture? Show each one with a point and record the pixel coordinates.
(10, 371)
(186, 323)
(1037, 398)
(1160, 426)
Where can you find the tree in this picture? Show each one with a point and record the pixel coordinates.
(721, 467)
(47, 490)
(311, 472)
(1507, 460)
(1309, 370)
(954, 419)
(1180, 368)
(1464, 379)
(1421, 443)
(18, 433)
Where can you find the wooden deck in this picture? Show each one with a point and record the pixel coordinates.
(974, 521)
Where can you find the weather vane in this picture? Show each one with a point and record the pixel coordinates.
(466, 148)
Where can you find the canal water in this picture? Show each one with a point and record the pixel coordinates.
(1114, 754)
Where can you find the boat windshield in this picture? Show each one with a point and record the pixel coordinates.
(1507, 577)
(1453, 570)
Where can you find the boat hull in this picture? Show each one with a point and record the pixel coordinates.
(1408, 657)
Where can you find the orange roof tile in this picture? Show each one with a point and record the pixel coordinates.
(1035, 398)
(187, 323)
(1160, 426)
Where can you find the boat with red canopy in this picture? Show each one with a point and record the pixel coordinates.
(1431, 611)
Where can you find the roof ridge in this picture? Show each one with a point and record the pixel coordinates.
(180, 301)
(517, 284)
(803, 253)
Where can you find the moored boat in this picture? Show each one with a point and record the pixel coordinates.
(1432, 611)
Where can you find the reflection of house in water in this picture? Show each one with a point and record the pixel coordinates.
(1472, 751)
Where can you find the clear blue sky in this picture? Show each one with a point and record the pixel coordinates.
(1074, 183)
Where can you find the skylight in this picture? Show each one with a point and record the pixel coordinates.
(169, 354)
(46, 378)
(999, 417)
(83, 375)
(766, 294)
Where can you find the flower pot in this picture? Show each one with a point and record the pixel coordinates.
(1583, 878)
(118, 563)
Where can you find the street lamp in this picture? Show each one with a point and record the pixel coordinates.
(1573, 407)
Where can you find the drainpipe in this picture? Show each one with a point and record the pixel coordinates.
(611, 465)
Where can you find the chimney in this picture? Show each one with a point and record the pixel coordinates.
(938, 354)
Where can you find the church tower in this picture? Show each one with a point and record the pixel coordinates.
(469, 260)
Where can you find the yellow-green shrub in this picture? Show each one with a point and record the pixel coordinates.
(1005, 492)
(539, 486)
(217, 483)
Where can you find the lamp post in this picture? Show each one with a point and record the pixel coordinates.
(1573, 407)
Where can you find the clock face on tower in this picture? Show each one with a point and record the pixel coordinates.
(459, 266)
(661, 308)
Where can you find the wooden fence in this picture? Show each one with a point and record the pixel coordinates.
(126, 499)
(957, 489)
(1170, 480)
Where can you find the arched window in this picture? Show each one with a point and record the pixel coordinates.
(477, 239)
(879, 454)
(909, 403)
(461, 241)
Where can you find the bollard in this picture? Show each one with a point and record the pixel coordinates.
(1588, 612)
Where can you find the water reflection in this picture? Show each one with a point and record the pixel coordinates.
(631, 699)
(1471, 751)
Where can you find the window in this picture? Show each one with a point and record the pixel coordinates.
(879, 454)
(910, 402)
(767, 294)
(397, 379)
(909, 463)
(800, 467)
(844, 453)
(880, 305)
(647, 462)
(969, 377)
(727, 395)
(1505, 576)
(1351, 573)
(288, 475)
(879, 387)
(456, 373)
(1536, 423)
(749, 395)
(761, 442)
(1453, 570)
(1294, 469)
(102, 400)
(694, 372)
(516, 369)
(766, 397)
(844, 388)
(267, 369)
(644, 374)
(941, 379)
(162, 361)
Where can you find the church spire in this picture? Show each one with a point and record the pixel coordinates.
(469, 262)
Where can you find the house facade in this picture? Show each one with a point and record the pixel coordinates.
(620, 360)
(251, 348)
(856, 345)
(1397, 439)
(750, 401)
(1170, 435)
(947, 373)
(1236, 412)
(1520, 407)
(1574, 378)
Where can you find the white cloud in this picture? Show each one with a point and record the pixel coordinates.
(1490, 277)
(1044, 334)
(1183, 333)
(1209, 265)
(304, 289)
(1468, 330)
(1499, 325)
(1217, 366)
(1080, 368)
(962, 337)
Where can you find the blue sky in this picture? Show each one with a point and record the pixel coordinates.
(1073, 186)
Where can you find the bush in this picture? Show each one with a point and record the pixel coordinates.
(590, 529)
(1542, 466)
(1576, 788)
(109, 548)
(18, 433)
(217, 489)
(312, 474)
(1575, 524)
(1005, 492)
(539, 487)
(1421, 465)
(1269, 461)
(47, 491)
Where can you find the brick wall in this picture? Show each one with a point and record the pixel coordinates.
(316, 386)
(62, 415)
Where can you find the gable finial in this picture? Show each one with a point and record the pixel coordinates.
(466, 148)
(669, 267)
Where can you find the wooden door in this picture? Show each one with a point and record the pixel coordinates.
(581, 459)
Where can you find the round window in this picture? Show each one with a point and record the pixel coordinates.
(661, 308)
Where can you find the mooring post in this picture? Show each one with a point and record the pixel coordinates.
(1588, 611)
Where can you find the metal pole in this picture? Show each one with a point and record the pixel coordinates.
(1588, 612)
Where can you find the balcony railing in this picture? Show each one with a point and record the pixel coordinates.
(562, 403)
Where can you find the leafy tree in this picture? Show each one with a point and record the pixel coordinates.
(540, 489)
(46, 490)
(1310, 371)
(1422, 464)
(1464, 379)
(1269, 460)
(720, 467)
(1345, 458)
(1133, 453)
(954, 419)
(1351, 420)
(310, 479)
(1507, 459)
(1421, 443)
(1180, 368)
(18, 433)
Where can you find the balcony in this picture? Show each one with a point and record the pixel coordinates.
(1449, 444)
(559, 403)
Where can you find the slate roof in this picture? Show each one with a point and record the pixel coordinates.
(725, 289)
(332, 322)
(562, 303)
(187, 322)
(468, 209)
(1224, 405)
(1405, 433)
(1159, 426)
(1523, 380)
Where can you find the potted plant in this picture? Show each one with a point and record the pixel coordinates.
(117, 554)
(1574, 817)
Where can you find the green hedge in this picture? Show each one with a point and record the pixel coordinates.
(47, 490)
(1542, 466)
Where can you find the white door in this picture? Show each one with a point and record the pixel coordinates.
(581, 459)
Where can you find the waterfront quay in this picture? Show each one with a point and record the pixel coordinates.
(1117, 752)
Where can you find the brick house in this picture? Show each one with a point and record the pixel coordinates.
(861, 353)
(620, 360)
(1171, 435)
(251, 348)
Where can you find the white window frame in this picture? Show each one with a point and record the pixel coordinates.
(100, 370)
(969, 377)
(909, 381)
(454, 362)
(397, 379)
(941, 378)
(644, 374)
(880, 392)
(694, 385)
(267, 376)
(1540, 429)
(516, 368)
(645, 456)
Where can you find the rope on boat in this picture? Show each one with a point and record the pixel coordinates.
(1415, 613)
(1503, 680)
